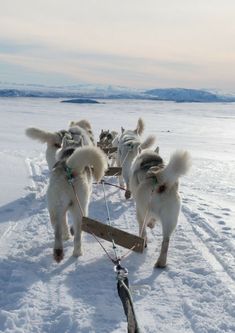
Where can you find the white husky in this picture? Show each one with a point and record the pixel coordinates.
(70, 188)
(155, 190)
(129, 146)
(81, 128)
(86, 126)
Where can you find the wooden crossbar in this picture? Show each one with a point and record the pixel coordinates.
(110, 233)
(113, 171)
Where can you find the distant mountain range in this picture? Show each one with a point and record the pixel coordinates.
(88, 91)
(188, 95)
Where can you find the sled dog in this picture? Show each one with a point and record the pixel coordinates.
(107, 139)
(86, 126)
(129, 146)
(154, 186)
(80, 129)
(69, 189)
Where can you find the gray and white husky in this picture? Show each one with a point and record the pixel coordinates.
(129, 146)
(154, 186)
(70, 188)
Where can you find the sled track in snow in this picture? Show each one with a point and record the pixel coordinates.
(38, 179)
(56, 293)
(27, 245)
(219, 252)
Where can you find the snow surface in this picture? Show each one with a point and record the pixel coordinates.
(195, 293)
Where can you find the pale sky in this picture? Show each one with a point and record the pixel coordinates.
(133, 43)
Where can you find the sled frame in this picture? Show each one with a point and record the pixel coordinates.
(110, 234)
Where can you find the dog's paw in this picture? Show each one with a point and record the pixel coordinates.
(77, 253)
(127, 194)
(160, 264)
(58, 255)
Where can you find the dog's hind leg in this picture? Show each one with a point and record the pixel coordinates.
(65, 229)
(142, 227)
(120, 178)
(58, 222)
(77, 229)
(161, 262)
(125, 173)
(119, 164)
(169, 217)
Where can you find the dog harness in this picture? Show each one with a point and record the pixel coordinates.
(70, 174)
(149, 164)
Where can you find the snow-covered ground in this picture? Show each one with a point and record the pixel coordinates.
(195, 293)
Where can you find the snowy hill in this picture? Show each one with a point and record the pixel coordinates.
(188, 95)
(113, 92)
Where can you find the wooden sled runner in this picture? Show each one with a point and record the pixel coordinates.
(108, 233)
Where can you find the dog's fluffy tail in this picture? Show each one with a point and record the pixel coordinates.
(178, 166)
(88, 156)
(148, 142)
(140, 127)
(43, 136)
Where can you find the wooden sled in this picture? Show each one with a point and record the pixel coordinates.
(109, 233)
(113, 171)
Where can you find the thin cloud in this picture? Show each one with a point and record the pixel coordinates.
(131, 42)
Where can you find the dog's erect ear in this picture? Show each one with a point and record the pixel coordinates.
(122, 129)
(102, 131)
(157, 150)
(140, 127)
(72, 123)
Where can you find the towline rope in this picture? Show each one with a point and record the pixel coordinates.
(121, 272)
(107, 183)
(123, 285)
(109, 221)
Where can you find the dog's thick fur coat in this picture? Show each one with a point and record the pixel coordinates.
(129, 146)
(80, 128)
(155, 190)
(107, 139)
(84, 163)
